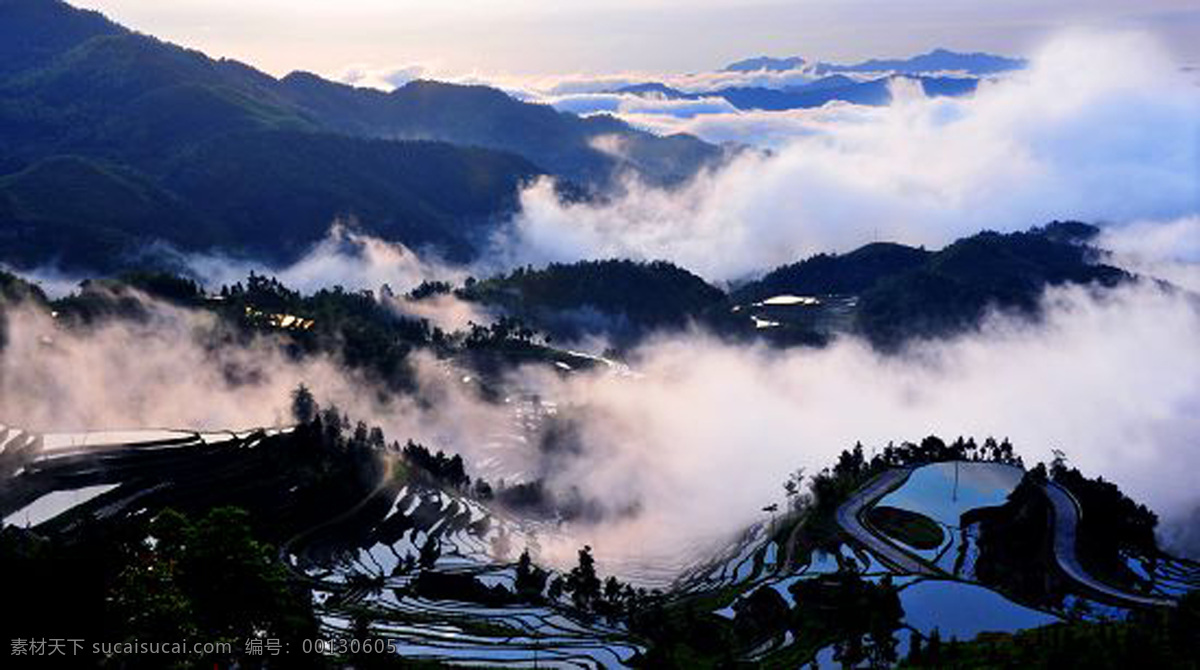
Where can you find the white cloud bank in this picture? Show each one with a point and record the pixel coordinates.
(1168, 250)
(344, 257)
(178, 370)
(1101, 127)
(707, 432)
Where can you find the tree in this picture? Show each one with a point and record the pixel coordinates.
(582, 582)
(431, 551)
(210, 578)
(793, 488)
(613, 601)
(376, 440)
(530, 579)
(555, 591)
(914, 648)
(304, 406)
(933, 651)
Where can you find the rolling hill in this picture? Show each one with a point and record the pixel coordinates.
(892, 293)
(620, 299)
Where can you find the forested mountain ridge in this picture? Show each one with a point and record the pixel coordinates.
(892, 293)
(94, 113)
(874, 92)
(621, 299)
(938, 60)
(76, 64)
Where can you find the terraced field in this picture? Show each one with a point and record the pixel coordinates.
(474, 544)
(361, 562)
(364, 562)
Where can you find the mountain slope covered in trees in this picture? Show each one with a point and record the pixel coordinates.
(892, 293)
(206, 153)
(622, 299)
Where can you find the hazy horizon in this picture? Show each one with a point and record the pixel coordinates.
(528, 38)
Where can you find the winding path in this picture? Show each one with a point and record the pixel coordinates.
(864, 497)
(1067, 514)
(1066, 524)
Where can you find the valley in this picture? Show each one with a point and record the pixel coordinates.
(698, 335)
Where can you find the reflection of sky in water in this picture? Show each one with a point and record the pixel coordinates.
(52, 504)
(104, 438)
(975, 610)
(930, 489)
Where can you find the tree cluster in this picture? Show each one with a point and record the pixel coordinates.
(1112, 524)
(1160, 638)
(590, 595)
(445, 470)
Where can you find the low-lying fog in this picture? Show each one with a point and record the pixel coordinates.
(706, 432)
(1100, 129)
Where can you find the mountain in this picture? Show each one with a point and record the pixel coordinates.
(826, 274)
(766, 63)
(560, 143)
(26, 42)
(938, 60)
(833, 84)
(116, 79)
(953, 290)
(155, 141)
(874, 92)
(266, 193)
(831, 81)
(621, 299)
(892, 293)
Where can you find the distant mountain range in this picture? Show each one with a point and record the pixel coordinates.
(939, 72)
(766, 63)
(110, 138)
(938, 60)
(875, 92)
(888, 293)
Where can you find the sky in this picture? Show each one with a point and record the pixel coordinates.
(538, 37)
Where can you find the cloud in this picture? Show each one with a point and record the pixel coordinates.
(707, 432)
(693, 82)
(628, 105)
(357, 262)
(562, 85)
(384, 79)
(1168, 250)
(180, 369)
(444, 311)
(704, 432)
(345, 257)
(123, 375)
(1101, 127)
(53, 281)
(763, 129)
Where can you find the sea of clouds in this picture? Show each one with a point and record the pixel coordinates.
(1102, 128)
